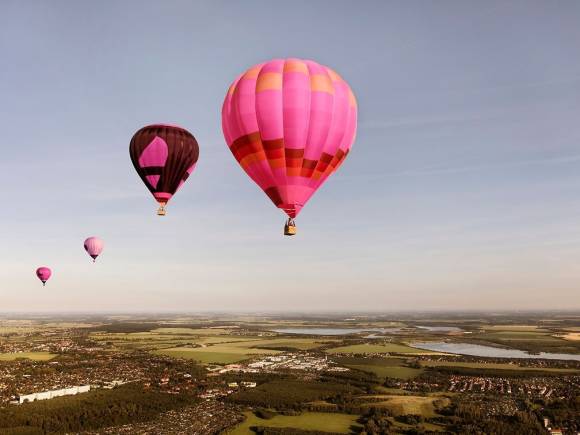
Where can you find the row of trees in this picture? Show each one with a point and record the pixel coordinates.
(290, 393)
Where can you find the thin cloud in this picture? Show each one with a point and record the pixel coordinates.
(561, 160)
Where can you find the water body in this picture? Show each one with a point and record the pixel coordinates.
(441, 328)
(489, 351)
(333, 331)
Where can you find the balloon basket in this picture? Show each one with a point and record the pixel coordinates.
(290, 228)
(161, 210)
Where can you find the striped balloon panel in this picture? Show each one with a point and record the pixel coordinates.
(289, 124)
(164, 156)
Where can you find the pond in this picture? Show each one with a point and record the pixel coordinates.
(489, 351)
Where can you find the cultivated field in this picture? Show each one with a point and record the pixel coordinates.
(381, 367)
(207, 345)
(218, 354)
(514, 328)
(36, 356)
(536, 340)
(498, 366)
(320, 421)
(403, 405)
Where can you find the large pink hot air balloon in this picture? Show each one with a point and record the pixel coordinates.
(94, 246)
(43, 273)
(289, 124)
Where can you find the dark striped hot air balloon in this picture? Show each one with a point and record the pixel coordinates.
(290, 124)
(164, 157)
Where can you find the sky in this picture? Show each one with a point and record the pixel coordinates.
(461, 191)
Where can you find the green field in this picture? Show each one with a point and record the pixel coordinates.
(530, 340)
(517, 335)
(381, 367)
(388, 372)
(36, 356)
(378, 348)
(225, 350)
(504, 366)
(403, 405)
(219, 353)
(191, 331)
(514, 328)
(321, 421)
(203, 357)
(214, 344)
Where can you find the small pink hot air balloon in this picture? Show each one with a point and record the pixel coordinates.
(94, 247)
(43, 273)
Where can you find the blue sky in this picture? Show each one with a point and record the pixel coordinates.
(462, 190)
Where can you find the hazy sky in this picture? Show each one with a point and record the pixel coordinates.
(462, 190)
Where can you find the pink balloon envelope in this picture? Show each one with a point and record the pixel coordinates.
(43, 273)
(94, 246)
(290, 123)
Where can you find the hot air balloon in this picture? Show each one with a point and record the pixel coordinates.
(94, 246)
(289, 124)
(164, 156)
(43, 273)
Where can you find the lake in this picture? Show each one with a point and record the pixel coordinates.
(441, 328)
(489, 351)
(333, 331)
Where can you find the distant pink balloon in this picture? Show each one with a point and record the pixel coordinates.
(94, 247)
(43, 274)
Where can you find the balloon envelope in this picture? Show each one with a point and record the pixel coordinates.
(43, 273)
(289, 124)
(164, 156)
(94, 246)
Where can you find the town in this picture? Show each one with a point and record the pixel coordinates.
(186, 372)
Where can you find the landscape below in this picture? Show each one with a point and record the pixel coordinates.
(290, 374)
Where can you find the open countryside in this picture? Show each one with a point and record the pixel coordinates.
(253, 377)
(325, 422)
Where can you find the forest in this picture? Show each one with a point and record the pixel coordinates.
(101, 408)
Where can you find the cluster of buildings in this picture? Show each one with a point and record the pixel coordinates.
(545, 387)
(223, 391)
(25, 380)
(51, 394)
(206, 417)
(288, 361)
(536, 363)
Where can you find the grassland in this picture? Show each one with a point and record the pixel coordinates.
(537, 340)
(517, 336)
(514, 328)
(207, 345)
(572, 336)
(192, 331)
(498, 366)
(218, 354)
(398, 372)
(36, 356)
(403, 405)
(320, 421)
(381, 367)
(379, 348)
